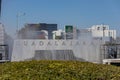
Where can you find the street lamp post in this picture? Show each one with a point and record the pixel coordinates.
(17, 16)
(17, 24)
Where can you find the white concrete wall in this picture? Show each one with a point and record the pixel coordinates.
(113, 33)
(89, 50)
(2, 34)
(2, 41)
(101, 32)
(101, 27)
(105, 33)
(97, 33)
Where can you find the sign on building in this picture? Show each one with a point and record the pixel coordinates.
(69, 32)
(69, 29)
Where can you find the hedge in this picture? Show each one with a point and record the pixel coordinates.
(58, 70)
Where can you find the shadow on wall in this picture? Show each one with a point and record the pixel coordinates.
(55, 55)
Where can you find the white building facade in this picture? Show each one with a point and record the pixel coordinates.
(2, 34)
(3, 47)
(58, 34)
(103, 31)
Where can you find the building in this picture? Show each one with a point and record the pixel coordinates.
(2, 34)
(59, 34)
(34, 31)
(103, 31)
(3, 46)
(84, 33)
(70, 32)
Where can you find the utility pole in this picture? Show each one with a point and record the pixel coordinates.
(17, 22)
(0, 8)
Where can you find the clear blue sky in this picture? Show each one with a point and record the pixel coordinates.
(80, 13)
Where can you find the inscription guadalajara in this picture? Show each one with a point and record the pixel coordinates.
(54, 43)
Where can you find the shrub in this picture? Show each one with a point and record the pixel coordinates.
(58, 70)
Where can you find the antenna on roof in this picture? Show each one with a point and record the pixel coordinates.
(0, 8)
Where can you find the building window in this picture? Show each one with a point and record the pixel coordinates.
(104, 28)
(98, 28)
(0, 56)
